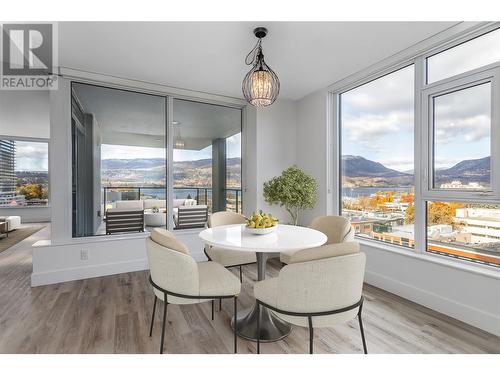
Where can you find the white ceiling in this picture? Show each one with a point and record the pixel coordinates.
(209, 56)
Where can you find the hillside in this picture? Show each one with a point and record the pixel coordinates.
(152, 172)
(360, 172)
(474, 170)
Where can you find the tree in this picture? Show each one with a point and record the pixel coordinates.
(410, 214)
(440, 213)
(294, 190)
(407, 198)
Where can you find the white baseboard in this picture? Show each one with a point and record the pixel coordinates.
(79, 273)
(465, 313)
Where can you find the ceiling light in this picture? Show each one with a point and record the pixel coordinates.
(179, 143)
(261, 85)
(175, 122)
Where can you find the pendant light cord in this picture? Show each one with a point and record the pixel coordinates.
(254, 53)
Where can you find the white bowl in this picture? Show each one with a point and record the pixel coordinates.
(261, 230)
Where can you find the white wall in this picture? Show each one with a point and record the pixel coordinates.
(312, 142)
(275, 149)
(437, 283)
(25, 114)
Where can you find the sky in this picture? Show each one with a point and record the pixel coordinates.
(233, 145)
(31, 156)
(377, 122)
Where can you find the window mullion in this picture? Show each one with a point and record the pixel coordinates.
(420, 158)
(495, 135)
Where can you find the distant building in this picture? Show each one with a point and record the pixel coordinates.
(482, 223)
(458, 185)
(8, 195)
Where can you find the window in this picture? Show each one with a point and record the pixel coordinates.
(446, 202)
(122, 167)
(24, 173)
(464, 230)
(462, 138)
(473, 54)
(119, 161)
(206, 158)
(377, 157)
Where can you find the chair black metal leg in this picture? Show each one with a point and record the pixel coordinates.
(311, 334)
(165, 303)
(220, 304)
(241, 277)
(152, 318)
(235, 324)
(212, 309)
(258, 328)
(362, 332)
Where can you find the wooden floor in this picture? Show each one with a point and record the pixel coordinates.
(111, 315)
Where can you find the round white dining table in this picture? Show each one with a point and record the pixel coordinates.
(284, 238)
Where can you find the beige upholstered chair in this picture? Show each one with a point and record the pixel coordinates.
(316, 292)
(178, 279)
(340, 234)
(228, 258)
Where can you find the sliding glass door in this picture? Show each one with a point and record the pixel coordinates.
(206, 161)
(119, 161)
(121, 168)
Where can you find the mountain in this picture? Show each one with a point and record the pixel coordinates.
(474, 170)
(132, 163)
(152, 172)
(358, 166)
(360, 172)
(160, 162)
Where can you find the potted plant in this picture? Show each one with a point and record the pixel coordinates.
(294, 190)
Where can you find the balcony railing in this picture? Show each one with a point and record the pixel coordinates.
(202, 195)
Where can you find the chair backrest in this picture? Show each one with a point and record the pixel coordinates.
(322, 252)
(192, 216)
(321, 285)
(130, 205)
(171, 268)
(225, 218)
(337, 228)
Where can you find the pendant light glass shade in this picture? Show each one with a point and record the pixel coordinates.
(261, 85)
(179, 143)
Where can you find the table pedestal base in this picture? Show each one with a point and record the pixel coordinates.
(272, 328)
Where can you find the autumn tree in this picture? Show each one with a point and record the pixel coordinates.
(407, 198)
(410, 214)
(33, 191)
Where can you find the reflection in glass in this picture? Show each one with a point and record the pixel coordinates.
(206, 162)
(119, 161)
(462, 131)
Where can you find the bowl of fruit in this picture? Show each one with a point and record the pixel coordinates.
(261, 223)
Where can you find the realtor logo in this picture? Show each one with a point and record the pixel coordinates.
(27, 56)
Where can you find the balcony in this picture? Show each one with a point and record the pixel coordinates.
(202, 195)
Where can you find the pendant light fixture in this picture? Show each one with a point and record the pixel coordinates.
(261, 85)
(178, 141)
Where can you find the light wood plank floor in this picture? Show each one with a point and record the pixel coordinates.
(111, 315)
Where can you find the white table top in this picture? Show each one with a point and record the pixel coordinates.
(285, 238)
